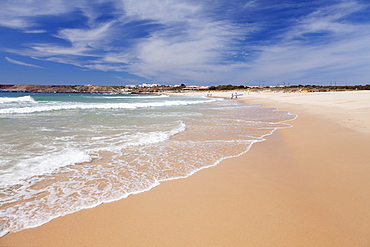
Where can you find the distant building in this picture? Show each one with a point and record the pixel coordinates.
(149, 85)
(193, 87)
(143, 85)
(132, 86)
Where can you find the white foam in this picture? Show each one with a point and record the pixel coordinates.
(135, 97)
(4, 232)
(50, 162)
(73, 106)
(157, 136)
(138, 139)
(16, 99)
(41, 165)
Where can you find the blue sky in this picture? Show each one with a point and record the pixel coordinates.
(202, 42)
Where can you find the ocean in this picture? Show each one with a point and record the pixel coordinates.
(61, 153)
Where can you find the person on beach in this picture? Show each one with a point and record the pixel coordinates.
(234, 95)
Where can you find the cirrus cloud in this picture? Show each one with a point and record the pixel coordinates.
(22, 63)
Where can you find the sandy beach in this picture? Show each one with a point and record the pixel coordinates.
(304, 186)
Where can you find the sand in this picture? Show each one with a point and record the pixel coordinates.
(304, 186)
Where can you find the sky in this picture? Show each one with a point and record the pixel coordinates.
(195, 42)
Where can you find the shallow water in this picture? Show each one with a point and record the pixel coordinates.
(60, 153)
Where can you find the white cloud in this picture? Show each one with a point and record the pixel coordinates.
(337, 56)
(327, 19)
(161, 11)
(22, 63)
(190, 44)
(20, 14)
(116, 58)
(342, 60)
(35, 31)
(87, 37)
(250, 4)
(102, 67)
(44, 50)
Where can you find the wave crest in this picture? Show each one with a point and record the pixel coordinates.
(17, 99)
(46, 108)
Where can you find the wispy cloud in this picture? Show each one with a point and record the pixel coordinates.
(91, 37)
(250, 4)
(190, 43)
(20, 14)
(25, 14)
(35, 31)
(188, 39)
(202, 45)
(22, 63)
(329, 20)
(44, 50)
(163, 12)
(320, 46)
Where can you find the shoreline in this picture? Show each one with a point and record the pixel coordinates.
(303, 186)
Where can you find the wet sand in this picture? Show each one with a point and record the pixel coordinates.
(304, 186)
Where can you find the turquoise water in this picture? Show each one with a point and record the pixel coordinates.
(60, 153)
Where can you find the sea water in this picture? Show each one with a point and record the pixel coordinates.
(60, 153)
